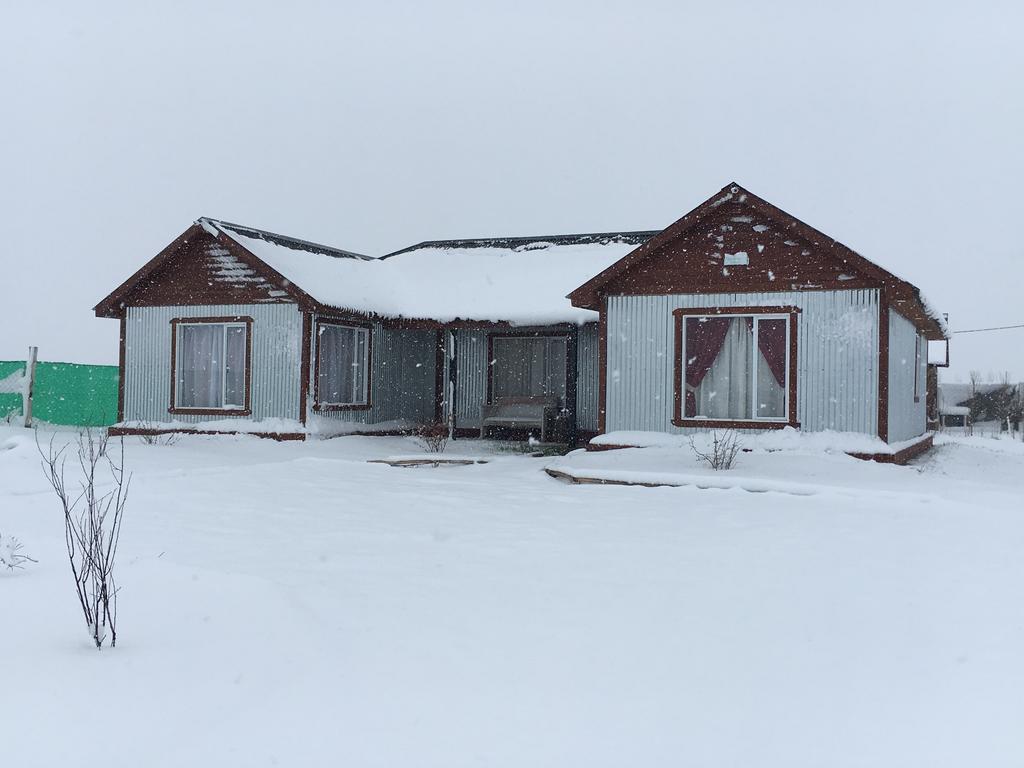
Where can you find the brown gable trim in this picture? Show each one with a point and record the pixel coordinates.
(679, 317)
(587, 295)
(247, 408)
(110, 305)
(113, 304)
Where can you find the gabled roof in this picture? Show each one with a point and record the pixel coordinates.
(905, 297)
(516, 280)
(214, 226)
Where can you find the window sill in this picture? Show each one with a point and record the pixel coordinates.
(725, 424)
(327, 407)
(210, 411)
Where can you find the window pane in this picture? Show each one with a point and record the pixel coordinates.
(528, 366)
(719, 367)
(343, 363)
(199, 352)
(234, 367)
(771, 368)
(555, 367)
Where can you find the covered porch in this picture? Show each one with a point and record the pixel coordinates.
(478, 380)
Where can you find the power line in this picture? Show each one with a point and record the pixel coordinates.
(997, 328)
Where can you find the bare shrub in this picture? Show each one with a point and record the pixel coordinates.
(433, 437)
(722, 452)
(92, 524)
(151, 436)
(12, 553)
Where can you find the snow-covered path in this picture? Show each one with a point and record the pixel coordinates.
(291, 604)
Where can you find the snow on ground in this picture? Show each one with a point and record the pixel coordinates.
(291, 604)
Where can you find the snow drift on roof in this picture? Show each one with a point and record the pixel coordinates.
(525, 284)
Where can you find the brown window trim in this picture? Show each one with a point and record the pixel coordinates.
(247, 409)
(679, 317)
(331, 407)
(917, 366)
(523, 335)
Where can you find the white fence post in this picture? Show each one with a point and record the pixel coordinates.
(29, 384)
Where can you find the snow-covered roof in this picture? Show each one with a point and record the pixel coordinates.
(523, 281)
(953, 394)
(955, 410)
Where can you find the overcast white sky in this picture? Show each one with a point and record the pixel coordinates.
(896, 128)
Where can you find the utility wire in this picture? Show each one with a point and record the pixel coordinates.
(997, 328)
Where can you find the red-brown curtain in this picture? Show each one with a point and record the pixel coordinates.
(704, 340)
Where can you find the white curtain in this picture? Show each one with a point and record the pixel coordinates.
(771, 396)
(200, 366)
(724, 393)
(343, 361)
(234, 366)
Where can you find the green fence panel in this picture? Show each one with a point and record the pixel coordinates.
(68, 393)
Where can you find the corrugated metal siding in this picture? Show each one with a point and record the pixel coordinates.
(837, 360)
(401, 378)
(907, 419)
(587, 379)
(471, 384)
(276, 352)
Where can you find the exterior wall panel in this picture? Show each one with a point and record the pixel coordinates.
(471, 384)
(837, 357)
(276, 355)
(907, 419)
(587, 378)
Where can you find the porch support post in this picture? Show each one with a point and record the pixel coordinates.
(570, 385)
(453, 378)
(440, 377)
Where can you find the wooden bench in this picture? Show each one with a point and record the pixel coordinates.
(520, 413)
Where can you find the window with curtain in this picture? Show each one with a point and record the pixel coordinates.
(736, 367)
(343, 363)
(211, 361)
(528, 366)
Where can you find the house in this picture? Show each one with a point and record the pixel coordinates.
(737, 315)
(231, 328)
(991, 406)
(956, 419)
(740, 315)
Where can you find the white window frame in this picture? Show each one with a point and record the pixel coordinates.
(364, 401)
(784, 419)
(224, 406)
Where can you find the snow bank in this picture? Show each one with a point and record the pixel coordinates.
(316, 426)
(268, 426)
(787, 439)
(288, 604)
(320, 426)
